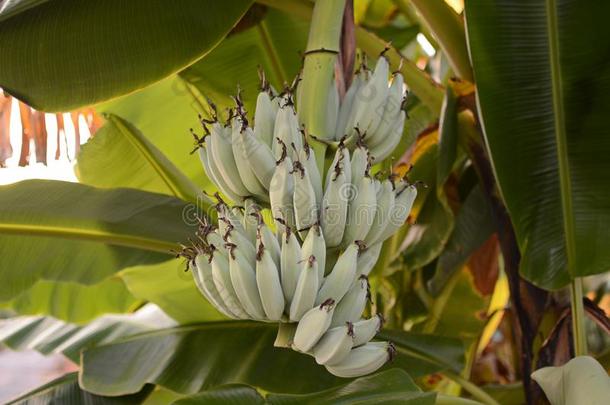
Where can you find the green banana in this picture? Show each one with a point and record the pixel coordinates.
(259, 158)
(368, 259)
(361, 211)
(202, 274)
(391, 112)
(250, 219)
(264, 118)
(351, 306)
(304, 197)
(338, 282)
(335, 345)
(306, 290)
(400, 212)
(222, 281)
(385, 204)
(366, 329)
(286, 128)
(243, 279)
(347, 105)
(269, 285)
(290, 267)
(281, 191)
(314, 245)
(387, 146)
(313, 325)
(364, 360)
(241, 156)
(308, 158)
(333, 212)
(214, 174)
(222, 154)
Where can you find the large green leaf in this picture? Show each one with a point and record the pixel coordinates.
(53, 230)
(66, 391)
(273, 44)
(543, 78)
(391, 386)
(49, 335)
(118, 150)
(163, 113)
(234, 352)
(172, 288)
(73, 302)
(62, 55)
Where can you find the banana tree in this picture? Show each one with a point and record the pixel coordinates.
(513, 207)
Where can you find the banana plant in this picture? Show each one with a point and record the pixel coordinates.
(494, 125)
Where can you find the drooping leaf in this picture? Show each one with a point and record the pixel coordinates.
(66, 391)
(172, 288)
(274, 44)
(163, 113)
(62, 55)
(118, 150)
(387, 387)
(543, 77)
(49, 335)
(53, 230)
(232, 352)
(73, 302)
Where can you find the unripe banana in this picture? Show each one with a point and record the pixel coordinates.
(385, 204)
(269, 285)
(367, 259)
(313, 325)
(259, 158)
(351, 306)
(290, 267)
(264, 118)
(214, 174)
(370, 101)
(361, 211)
(400, 212)
(222, 154)
(246, 247)
(338, 282)
(314, 245)
(333, 212)
(364, 360)
(391, 112)
(241, 156)
(286, 128)
(342, 158)
(306, 290)
(366, 329)
(387, 146)
(266, 236)
(243, 279)
(250, 219)
(232, 216)
(222, 280)
(308, 158)
(360, 162)
(202, 274)
(347, 104)
(304, 198)
(335, 345)
(281, 191)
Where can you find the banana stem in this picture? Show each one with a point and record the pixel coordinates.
(578, 318)
(473, 389)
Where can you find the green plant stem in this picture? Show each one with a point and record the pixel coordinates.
(448, 29)
(578, 318)
(473, 389)
(422, 85)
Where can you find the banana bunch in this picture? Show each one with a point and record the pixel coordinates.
(248, 272)
(307, 267)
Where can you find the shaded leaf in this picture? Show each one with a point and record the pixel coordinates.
(73, 302)
(387, 387)
(114, 57)
(230, 352)
(65, 390)
(53, 230)
(544, 113)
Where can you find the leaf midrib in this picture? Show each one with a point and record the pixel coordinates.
(560, 134)
(132, 241)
